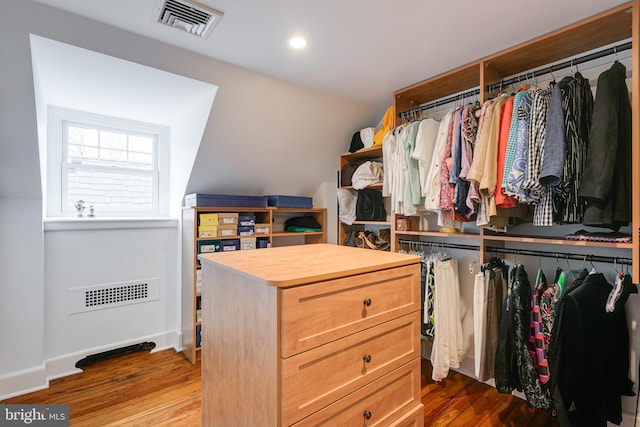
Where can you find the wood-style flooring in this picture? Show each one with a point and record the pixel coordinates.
(163, 389)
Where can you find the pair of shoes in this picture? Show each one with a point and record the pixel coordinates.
(374, 242)
(350, 239)
(361, 239)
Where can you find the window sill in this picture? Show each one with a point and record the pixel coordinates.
(79, 224)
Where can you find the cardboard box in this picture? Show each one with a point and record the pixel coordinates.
(227, 230)
(208, 219)
(227, 218)
(247, 243)
(208, 230)
(262, 243)
(230, 245)
(246, 230)
(246, 220)
(207, 246)
(261, 229)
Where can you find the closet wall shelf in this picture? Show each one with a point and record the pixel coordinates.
(470, 236)
(381, 223)
(556, 241)
(374, 186)
(365, 153)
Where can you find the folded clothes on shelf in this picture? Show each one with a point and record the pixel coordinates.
(600, 236)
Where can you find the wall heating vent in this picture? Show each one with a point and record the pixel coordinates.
(113, 295)
(189, 16)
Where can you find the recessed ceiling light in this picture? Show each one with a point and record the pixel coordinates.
(297, 42)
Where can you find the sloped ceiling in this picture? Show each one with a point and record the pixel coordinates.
(361, 49)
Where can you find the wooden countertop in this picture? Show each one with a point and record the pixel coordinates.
(295, 265)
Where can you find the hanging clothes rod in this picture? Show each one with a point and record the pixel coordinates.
(523, 77)
(439, 102)
(570, 63)
(525, 252)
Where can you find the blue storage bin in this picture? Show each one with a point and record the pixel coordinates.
(290, 201)
(196, 199)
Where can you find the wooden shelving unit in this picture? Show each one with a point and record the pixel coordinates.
(617, 25)
(374, 154)
(191, 295)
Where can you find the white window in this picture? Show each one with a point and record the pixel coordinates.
(116, 166)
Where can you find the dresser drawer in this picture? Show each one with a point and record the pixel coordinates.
(323, 312)
(319, 377)
(415, 418)
(384, 401)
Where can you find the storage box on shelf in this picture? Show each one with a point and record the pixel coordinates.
(610, 27)
(207, 229)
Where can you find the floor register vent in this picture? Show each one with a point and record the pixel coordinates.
(114, 295)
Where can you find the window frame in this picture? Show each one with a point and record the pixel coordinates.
(57, 165)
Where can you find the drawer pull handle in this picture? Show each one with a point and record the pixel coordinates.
(367, 415)
(367, 302)
(366, 358)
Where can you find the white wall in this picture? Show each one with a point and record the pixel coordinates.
(263, 136)
(87, 258)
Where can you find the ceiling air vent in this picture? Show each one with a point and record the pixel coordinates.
(189, 16)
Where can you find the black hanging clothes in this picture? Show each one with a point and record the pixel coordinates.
(606, 184)
(514, 367)
(589, 356)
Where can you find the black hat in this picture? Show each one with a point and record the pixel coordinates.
(356, 143)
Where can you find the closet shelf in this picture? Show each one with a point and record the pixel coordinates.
(438, 234)
(371, 223)
(374, 186)
(364, 153)
(292, 233)
(556, 241)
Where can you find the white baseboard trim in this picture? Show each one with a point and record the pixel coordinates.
(37, 378)
(23, 381)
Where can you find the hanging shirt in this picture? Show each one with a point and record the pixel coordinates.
(517, 175)
(537, 133)
(412, 188)
(503, 201)
(512, 141)
(577, 102)
(432, 186)
(423, 150)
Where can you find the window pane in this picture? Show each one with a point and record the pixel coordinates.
(113, 156)
(113, 140)
(79, 152)
(110, 190)
(143, 160)
(142, 144)
(82, 136)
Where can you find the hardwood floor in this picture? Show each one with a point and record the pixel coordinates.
(163, 389)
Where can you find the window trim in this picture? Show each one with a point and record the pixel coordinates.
(57, 119)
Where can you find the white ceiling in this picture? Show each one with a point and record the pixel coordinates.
(361, 49)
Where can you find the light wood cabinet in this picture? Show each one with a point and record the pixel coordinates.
(311, 335)
(192, 245)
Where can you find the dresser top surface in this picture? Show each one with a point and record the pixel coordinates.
(295, 265)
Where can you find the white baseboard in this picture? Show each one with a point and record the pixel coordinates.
(37, 378)
(22, 382)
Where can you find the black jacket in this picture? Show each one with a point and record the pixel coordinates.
(606, 185)
(589, 361)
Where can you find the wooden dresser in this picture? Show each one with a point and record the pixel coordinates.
(311, 335)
